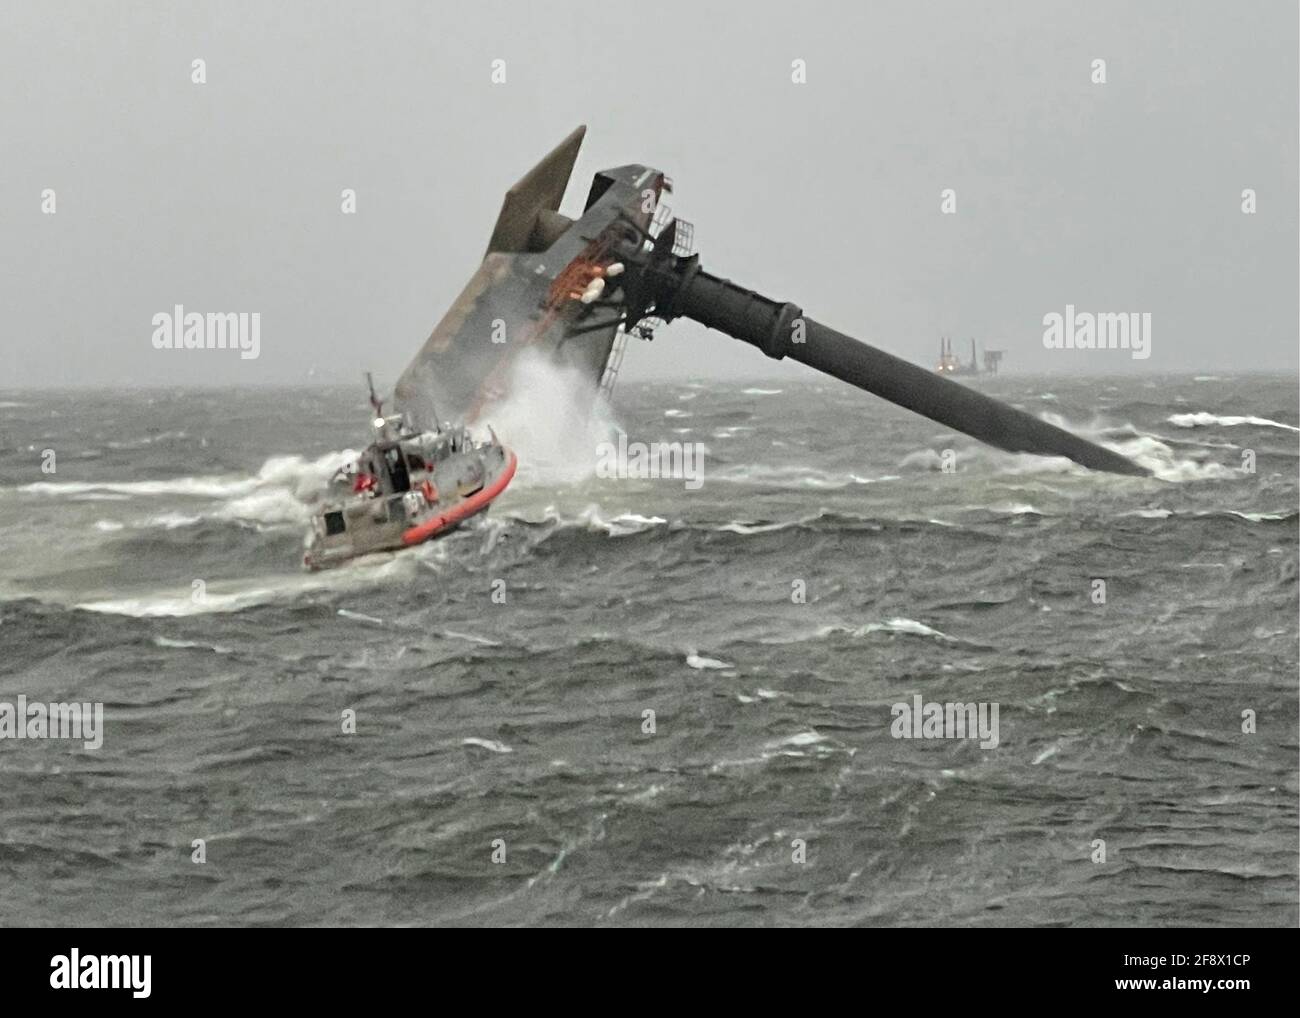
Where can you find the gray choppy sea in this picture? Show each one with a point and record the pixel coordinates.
(523, 721)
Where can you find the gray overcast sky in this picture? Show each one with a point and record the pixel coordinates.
(225, 196)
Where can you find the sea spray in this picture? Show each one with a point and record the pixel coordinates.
(553, 419)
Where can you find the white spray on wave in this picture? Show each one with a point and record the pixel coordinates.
(552, 420)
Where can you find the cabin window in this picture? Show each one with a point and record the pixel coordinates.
(398, 475)
(334, 524)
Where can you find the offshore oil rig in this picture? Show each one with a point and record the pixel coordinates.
(575, 290)
(950, 365)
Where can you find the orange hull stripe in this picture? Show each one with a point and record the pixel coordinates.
(469, 507)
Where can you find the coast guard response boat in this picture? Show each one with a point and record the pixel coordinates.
(408, 486)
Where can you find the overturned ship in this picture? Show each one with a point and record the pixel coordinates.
(574, 290)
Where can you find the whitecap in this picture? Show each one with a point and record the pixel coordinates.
(359, 573)
(491, 745)
(1161, 460)
(746, 529)
(902, 625)
(809, 738)
(451, 634)
(360, 617)
(694, 660)
(163, 641)
(170, 521)
(291, 474)
(622, 525)
(1203, 419)
(1015, 509)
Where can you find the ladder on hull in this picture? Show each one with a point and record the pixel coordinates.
(610, 375)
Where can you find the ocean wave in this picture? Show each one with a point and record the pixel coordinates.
(909, 627)
(628, 524)
(899, 625)
(170, 644)
(1143, 448)
(482, 641)
(589, 520)
(1166, 465)
(748, 529)
(792, 476)
(146, 440)
(169, 521)
(280, 493)
(491, 745)
(696, 661)
(1203, 419)
(268, 507)
(360, 573)
(810, 742)
(344, 613)
(294, 474)
(1012, 509)
(759, 695)
(998, 460)
(196, 487)
(182, 605)
(1281, 516)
